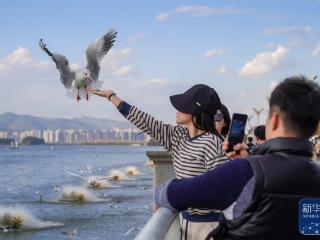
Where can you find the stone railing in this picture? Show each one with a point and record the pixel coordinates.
(162, 166)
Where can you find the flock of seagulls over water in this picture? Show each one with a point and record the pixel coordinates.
(17, 219)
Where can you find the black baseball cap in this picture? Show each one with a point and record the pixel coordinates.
(199, 98)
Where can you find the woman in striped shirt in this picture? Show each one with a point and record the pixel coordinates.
(194, 143)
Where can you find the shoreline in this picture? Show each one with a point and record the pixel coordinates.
(91, 143)
(102, 143)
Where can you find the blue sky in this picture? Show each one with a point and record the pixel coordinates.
(241, 48)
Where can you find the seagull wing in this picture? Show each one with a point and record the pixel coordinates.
(75, 175)
(97, 50)
(74, 232)
(104, 178)
(62, 64)
(4, 229)
(129, 231)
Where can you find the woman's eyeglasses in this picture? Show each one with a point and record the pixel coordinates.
(218, 117)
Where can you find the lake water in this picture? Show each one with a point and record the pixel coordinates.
(32, 170)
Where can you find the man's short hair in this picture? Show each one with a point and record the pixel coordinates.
(299, 102)
(260, 132)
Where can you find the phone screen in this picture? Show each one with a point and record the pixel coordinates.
(237, 129)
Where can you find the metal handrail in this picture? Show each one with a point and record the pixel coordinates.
(157, 226)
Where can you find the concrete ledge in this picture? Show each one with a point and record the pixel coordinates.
(162, 166)
(159, 156)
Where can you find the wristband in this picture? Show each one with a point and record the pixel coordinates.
(112, 94)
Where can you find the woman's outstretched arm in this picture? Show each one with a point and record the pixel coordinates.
(163, 133)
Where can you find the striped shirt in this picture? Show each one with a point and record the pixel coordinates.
(191, 156)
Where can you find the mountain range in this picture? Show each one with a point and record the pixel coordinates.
(17, 122)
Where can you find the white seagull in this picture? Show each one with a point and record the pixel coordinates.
(92, 183)
(5, 230)
(71, 234)
(81, 79)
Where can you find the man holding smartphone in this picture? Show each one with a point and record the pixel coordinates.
(268, 185)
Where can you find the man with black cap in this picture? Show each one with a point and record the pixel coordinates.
(194, 143)
(276, 189)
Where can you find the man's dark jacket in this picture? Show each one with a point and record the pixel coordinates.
(284, 174)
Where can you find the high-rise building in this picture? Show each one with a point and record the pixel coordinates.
(3, 134)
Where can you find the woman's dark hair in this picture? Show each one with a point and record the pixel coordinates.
(202, 119)
(260, 132)
(204, 122)
(298, 100)
(227, 120)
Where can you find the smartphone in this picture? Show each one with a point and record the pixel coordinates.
(237, 130)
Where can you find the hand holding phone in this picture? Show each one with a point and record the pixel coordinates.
(237, 130)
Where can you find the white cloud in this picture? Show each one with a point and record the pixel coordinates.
(158, 81)
(243, 95)
(213, 52)
(204, 10)
(20, 59)
(222, 70)
(135, 37)
(124, 71)
(299, 36)
(117, 63)
(316, 51)
(154, 82)
(266, 62)
(163, 16)
(289, 30)
(2, 67)
(19, 56)
(196, 11)
(275, 15)
(271, 45)
(120, 54)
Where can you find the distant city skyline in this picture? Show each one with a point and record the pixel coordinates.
(241, 48)
(78, 136)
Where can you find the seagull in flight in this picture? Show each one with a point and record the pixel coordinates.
(81, 79)
(5, 230)
(131, 230)
(93, 183)
(71, 234)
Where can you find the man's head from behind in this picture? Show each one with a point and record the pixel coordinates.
(294, 109)
(260, 134)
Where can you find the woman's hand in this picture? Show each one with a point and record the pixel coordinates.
(101, 93)
(106, 93)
